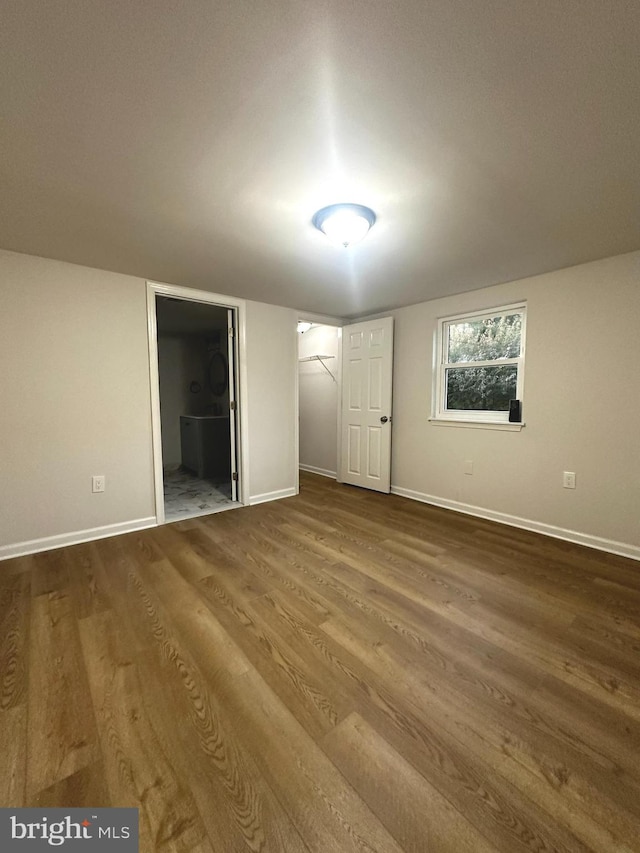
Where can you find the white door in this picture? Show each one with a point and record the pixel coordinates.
(367, 364)
(233, 404)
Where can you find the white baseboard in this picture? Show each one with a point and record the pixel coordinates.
(272, 496)
(33, 546)
(609, 545)
(48, 543)
(322, 471)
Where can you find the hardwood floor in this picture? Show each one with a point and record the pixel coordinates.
(340, 671)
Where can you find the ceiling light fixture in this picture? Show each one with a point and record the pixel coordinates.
(303, 326)
(344, 224)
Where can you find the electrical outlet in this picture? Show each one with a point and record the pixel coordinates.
(569, 479)
(98, 484)
(468, 466)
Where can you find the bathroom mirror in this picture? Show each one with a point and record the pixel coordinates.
(218, 374)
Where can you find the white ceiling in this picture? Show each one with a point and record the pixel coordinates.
(192, 142)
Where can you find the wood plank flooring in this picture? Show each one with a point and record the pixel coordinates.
(340, 671)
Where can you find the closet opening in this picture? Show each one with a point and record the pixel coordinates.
(319, 384)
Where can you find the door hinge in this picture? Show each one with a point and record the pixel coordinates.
(232, 405)
(234, 476)
(231, 332)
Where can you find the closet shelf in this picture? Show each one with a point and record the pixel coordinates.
(321, 359)
(315, 357)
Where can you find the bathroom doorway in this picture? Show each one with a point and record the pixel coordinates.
(196, 434)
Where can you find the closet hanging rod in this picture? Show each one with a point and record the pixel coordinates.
(321, 359)
(315, 357)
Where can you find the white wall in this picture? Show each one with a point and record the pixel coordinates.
(581, 407)
(75, 401)
(318, 395)
(271, 368)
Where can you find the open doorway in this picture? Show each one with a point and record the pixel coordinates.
(195, 409)
(319, 397)
(345, 378)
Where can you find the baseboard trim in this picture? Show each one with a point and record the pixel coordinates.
(34, 546)
(272, 496)
(600, 544)
(48, 543)
(322, 471)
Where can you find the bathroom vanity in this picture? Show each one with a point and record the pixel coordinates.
(206, 446)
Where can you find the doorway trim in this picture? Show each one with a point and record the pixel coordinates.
(242, 449)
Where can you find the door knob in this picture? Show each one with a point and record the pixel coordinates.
(384, 419)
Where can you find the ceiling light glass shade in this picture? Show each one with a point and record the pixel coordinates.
(303, 326)
(344, 224)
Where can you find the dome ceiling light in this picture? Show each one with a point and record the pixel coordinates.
(344, 224)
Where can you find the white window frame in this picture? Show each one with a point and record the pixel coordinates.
(476, 416)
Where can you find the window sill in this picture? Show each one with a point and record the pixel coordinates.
(504, 426)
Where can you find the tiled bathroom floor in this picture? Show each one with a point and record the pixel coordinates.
(186, 496)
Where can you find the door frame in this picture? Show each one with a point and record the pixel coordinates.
(240, 342)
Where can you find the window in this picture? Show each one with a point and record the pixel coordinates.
(480, 365)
